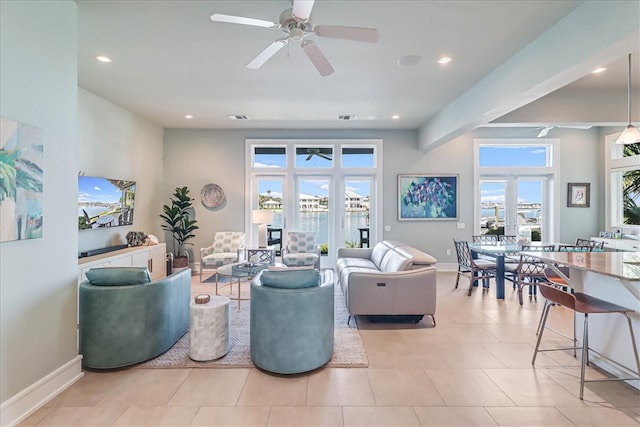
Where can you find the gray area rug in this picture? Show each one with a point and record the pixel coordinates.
(348, 350)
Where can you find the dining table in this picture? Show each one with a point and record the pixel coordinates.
(501, 252)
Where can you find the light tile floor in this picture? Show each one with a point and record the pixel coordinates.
(472, 369)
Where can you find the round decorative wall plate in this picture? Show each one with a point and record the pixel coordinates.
(212, 195)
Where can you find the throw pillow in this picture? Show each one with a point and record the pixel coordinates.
(290, 279)
(118, 276)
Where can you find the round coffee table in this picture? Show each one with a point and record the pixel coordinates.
(228, 270)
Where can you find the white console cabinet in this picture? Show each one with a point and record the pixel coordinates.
(152, 257)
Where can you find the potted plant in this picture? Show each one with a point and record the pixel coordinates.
(178, 223)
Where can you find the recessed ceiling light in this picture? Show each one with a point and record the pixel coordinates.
(103, 58)
(444, 60)
(188, 116)
(395, 117)
(409, 60)
(599, 70)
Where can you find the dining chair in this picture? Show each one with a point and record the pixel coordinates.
(574, 248)
(477, 269)
(511, 273)
(507, 239)
(586, 304)
(485, 238)
(594, 244)
(528, 272)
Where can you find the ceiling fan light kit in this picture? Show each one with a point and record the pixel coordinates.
(630, 135)
(296, 24)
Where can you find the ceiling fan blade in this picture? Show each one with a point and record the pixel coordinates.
(219, 17)
(302, 9)
(584, 127)
(317, 58)
(266, 54)
(544, 131)
(370, 35)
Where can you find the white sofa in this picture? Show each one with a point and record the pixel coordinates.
(391, 278)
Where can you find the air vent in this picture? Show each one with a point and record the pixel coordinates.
(239, 117)
(347, 117)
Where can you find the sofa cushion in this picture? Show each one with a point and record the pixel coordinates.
(378, 253)
(355, 262)
(118, 276)
(395, 261)
(418, 258)
(290, 279)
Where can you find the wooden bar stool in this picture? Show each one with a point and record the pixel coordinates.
(585, 304)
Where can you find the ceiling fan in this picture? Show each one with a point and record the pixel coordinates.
(296, 24)
(317, 152)
(545, 130)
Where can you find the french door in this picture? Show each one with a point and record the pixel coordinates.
(517, 205)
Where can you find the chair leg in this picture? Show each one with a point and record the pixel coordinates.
(633, 342)
(457, 279)
(520, 286)
(585, 354)
(546, 304)
(575, 340)
(543, 322)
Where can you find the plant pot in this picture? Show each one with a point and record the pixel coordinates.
(180, 262)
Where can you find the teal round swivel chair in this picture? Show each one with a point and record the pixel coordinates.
(292, 320)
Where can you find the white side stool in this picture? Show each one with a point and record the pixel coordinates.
(209, 329)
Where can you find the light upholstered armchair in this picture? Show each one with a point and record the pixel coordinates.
(302, 249)
(226, 249)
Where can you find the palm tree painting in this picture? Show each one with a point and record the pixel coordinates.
(21, 189)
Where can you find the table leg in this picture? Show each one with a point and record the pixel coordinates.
(500, 276)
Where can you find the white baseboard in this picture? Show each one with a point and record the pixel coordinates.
(444, 266)
(32, 398)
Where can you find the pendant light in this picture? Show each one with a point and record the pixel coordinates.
(630, 135)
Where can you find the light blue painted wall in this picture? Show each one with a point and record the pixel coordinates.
(38, 85)
(198, 157)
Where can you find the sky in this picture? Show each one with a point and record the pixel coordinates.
(496, 156)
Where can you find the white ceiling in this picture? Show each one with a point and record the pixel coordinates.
(170, 59)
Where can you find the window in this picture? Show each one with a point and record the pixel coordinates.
(623, 174)
(514, 187)
(269, 157)
(326, 186)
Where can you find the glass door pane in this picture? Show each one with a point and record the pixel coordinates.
(493, 197)
(313, 207)
(530, 207)
(270, 197)
(357, 215)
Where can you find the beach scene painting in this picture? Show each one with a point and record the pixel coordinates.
(21, 180)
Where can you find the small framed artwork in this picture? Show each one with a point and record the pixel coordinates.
(427, 197)
(578, 194)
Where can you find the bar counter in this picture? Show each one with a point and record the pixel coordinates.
(614, 277)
